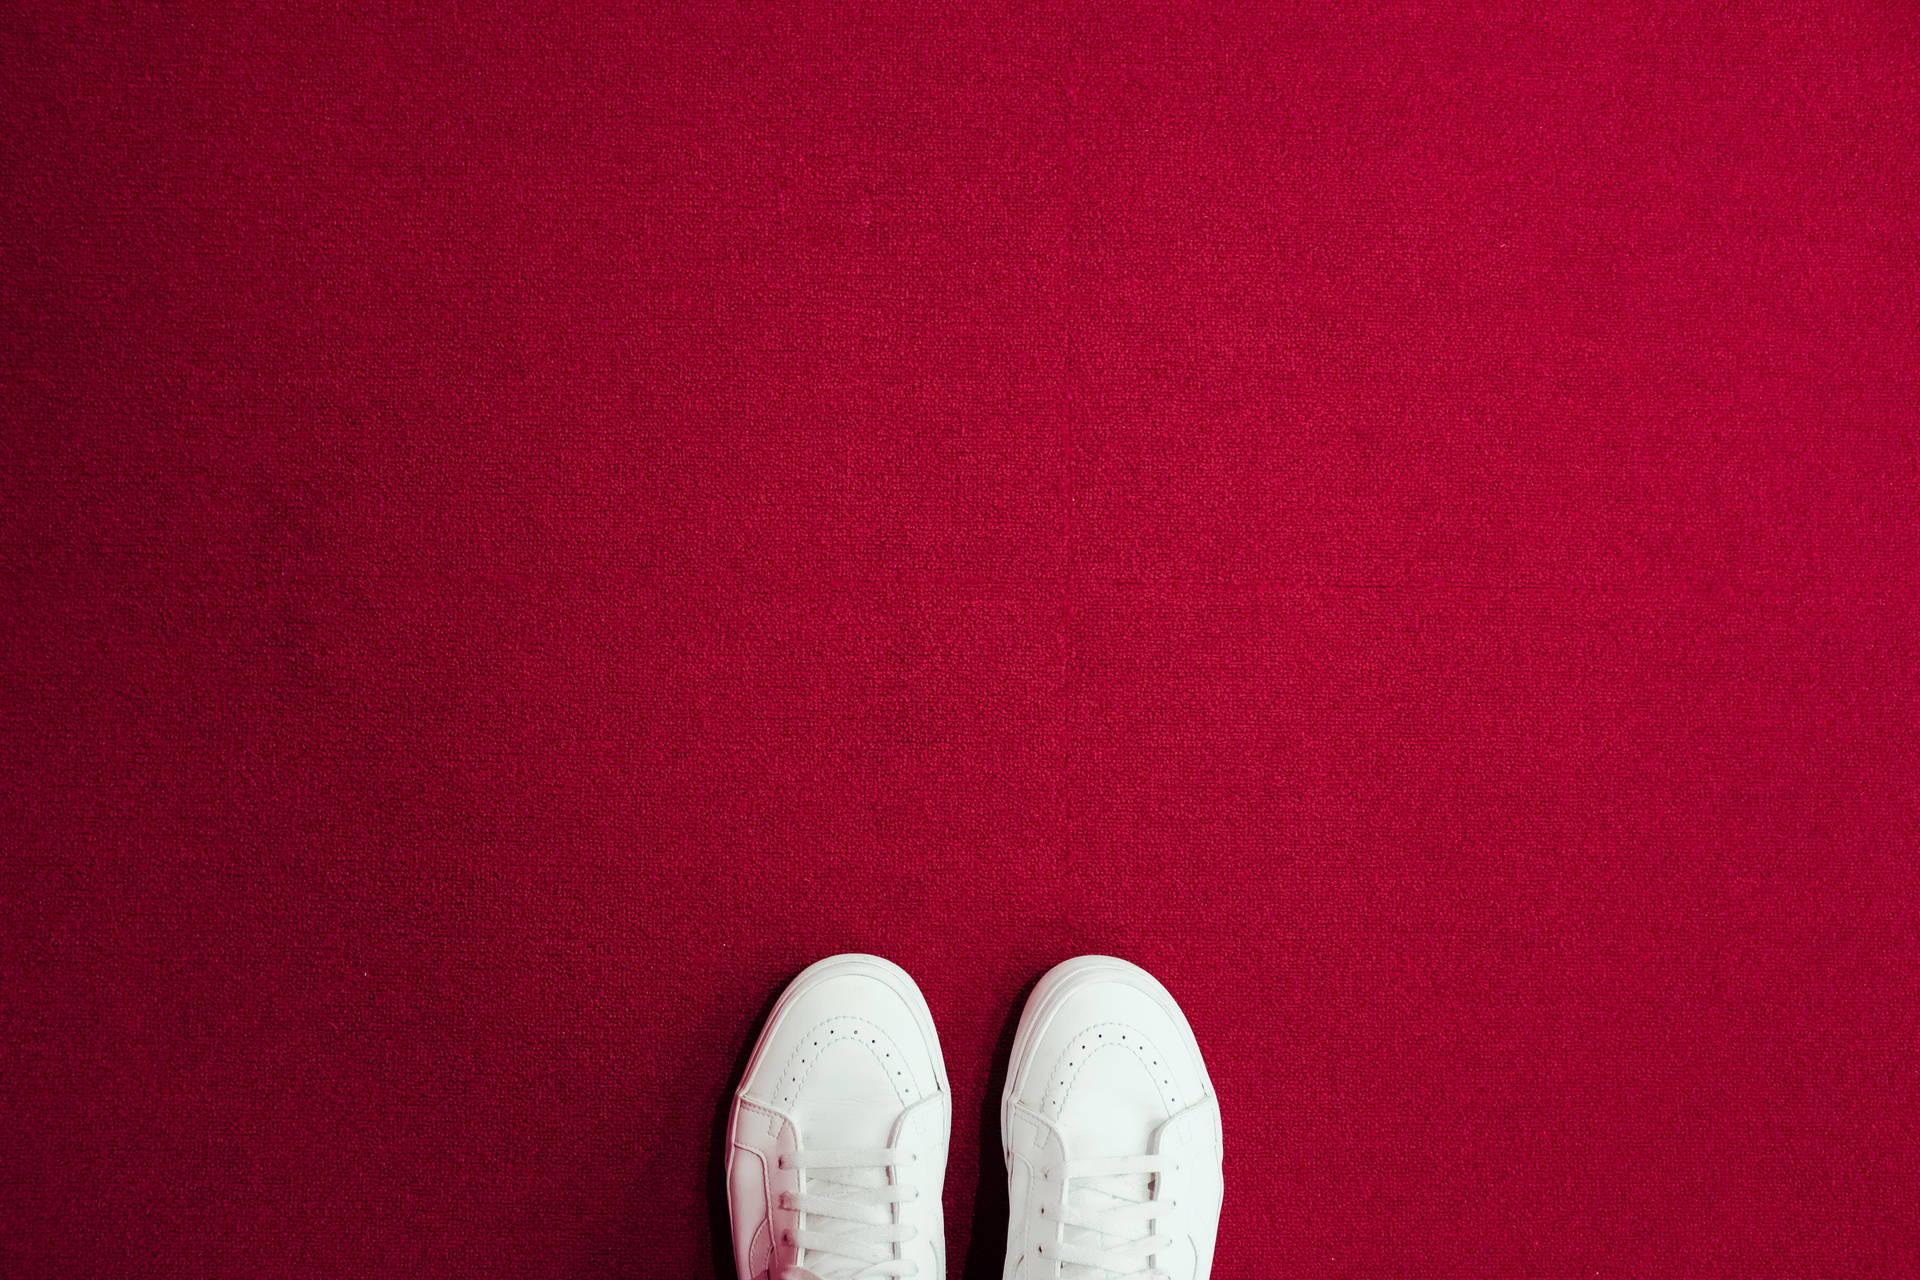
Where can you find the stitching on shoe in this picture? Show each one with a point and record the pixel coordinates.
(773, 1118)
(1060, 1081)
(886, 1052)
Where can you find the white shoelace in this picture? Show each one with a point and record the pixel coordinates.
(846, 1206)
(1108, 1228)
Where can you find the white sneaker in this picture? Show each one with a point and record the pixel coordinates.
(837, 1149)
(1111, 1131)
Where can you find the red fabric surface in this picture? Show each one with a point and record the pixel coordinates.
(522, 529)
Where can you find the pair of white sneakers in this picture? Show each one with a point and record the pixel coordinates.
(837, 1148)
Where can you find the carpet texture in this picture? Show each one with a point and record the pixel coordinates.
(523, 528)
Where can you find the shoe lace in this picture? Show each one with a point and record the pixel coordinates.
(1108, 1226)
(847, 1228)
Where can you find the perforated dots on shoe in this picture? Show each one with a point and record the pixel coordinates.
(847, 1030)
(1107, 1036)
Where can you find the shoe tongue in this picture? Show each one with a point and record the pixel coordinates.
(1102, 1195)
(832, 1266)
(1115, 1109)
(849, 1103)
(837, 1183)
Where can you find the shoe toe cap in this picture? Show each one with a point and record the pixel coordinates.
(1111, 1030)
(862, 1018)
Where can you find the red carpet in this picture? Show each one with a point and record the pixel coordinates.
(521, 531)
